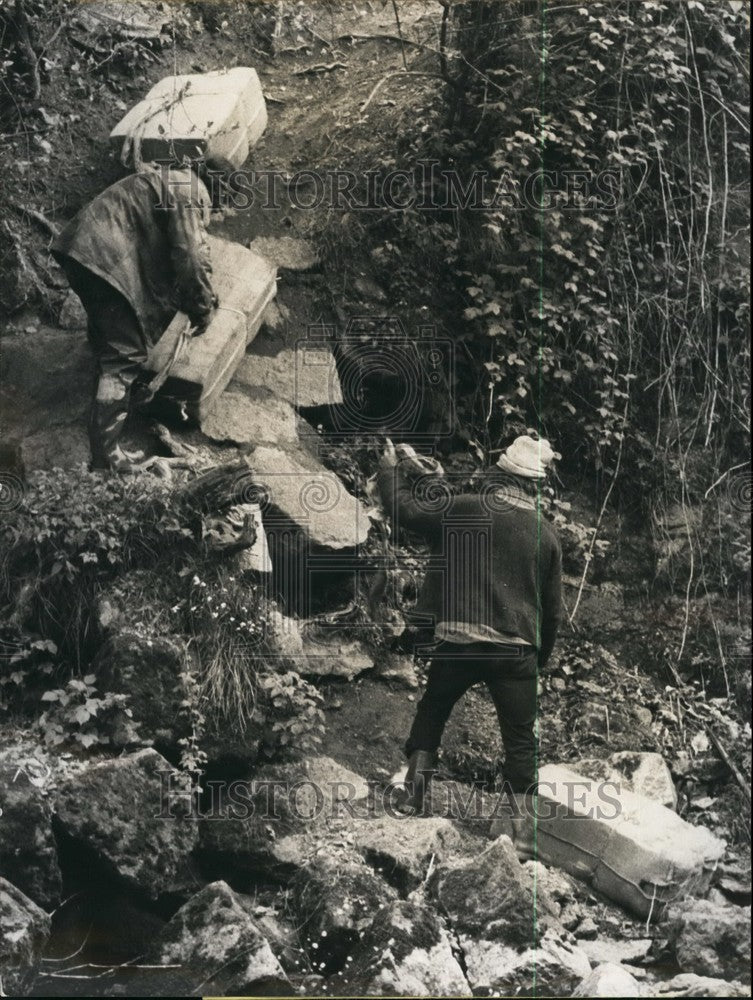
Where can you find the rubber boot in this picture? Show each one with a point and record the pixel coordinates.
(421, 767)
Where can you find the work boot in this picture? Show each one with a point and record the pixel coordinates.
(518, 825)
(421, 767)
(523, 825)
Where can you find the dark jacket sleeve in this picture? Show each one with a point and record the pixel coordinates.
(404, 503)
(189, 251)
(551, 604)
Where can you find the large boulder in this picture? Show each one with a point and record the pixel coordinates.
(241, 419)
(508, 931)
(550, 966)
(218, 948)
(280, 819)
(710, 938)
(24, 929)
(608, 980)
(304, 376)
(492, 896)
(402, 848)
(130, 815)
(148, 670)
(330, 654)
(406, 953)
(336, 902)
(28, 852)
(302, 492)
(562, 889)
(640, 772)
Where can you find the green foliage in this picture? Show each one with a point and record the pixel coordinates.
(26, 664)
(73, 523)
(77, 714)
(73, 531)
(578, 542)
(603, 276)
(228, 623)
(589, 303)
(293, 718)
(193, 758)
(239, 681)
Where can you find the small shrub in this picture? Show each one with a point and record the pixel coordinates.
(292, 719)
(25, 665)
(77, 714)
(73, 531)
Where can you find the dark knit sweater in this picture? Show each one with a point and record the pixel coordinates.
(492, 564)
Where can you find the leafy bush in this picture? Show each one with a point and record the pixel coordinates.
(240, 681)
(73, 531)
(617, 160)
(293, 721)
(26, 665)
(78, 714)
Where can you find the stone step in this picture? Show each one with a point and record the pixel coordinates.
(245, 284)
(240, 419)
(304, 376)
(634, 850)
(221, 113)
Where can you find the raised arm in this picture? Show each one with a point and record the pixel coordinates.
(401, 499)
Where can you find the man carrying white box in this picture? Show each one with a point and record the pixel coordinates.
(134, 256)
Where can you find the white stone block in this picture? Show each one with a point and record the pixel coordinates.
(632, 849)
(214, 114)
(245, 284)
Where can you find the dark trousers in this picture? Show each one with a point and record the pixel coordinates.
(510, 674)
(120, 349)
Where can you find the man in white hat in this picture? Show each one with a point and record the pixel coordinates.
(494, 598)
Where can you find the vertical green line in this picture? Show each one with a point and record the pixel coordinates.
(542, 92)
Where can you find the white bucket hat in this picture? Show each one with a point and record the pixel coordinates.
(527, 457)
